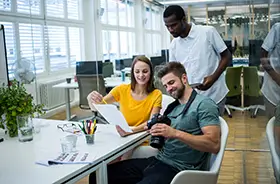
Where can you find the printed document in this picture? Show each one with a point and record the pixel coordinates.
(112, 115)
(67, 158)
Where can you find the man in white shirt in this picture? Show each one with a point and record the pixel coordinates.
(270, 60)
(203, 53)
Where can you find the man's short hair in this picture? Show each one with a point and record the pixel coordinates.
(176, 10)
(172, 67)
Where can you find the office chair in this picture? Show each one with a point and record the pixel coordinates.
(252, 91)
(108, 69)
(88, 83)
(233, 75)
(166, 100)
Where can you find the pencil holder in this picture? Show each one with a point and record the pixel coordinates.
(89, 138)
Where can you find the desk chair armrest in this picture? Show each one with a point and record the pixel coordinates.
(194, 176)
(271, 142)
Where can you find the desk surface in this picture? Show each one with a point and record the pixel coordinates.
(17, 161)
(109, 82)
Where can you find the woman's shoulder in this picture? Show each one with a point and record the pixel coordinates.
(123, 86)
(156, 92)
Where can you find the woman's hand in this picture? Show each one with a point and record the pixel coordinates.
(122, 132)
(95, 97)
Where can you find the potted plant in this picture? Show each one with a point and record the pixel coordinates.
(15, 101)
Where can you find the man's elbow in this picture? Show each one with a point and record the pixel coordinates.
(226, 56)
(216, 148)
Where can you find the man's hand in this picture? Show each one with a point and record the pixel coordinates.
(207, 83)
(161, 129)
(266, 63)
(122, 132)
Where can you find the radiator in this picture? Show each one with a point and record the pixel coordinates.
(53, 97)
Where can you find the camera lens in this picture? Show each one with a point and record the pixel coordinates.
(157, 142)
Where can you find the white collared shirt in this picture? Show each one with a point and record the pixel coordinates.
(270, 89)
(200, 52)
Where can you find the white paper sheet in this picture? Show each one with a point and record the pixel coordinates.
(195, 85)
(112, 115)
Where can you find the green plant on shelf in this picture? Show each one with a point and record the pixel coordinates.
(15, 101)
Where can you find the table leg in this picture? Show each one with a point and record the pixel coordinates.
(105, 175)
(242, 88)
(67, 100)
(101, 174)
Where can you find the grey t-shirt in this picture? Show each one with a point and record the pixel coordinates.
(202, 112)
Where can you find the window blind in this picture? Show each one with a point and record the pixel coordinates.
(55, 8)
(74, 45)
(5, 5)
(29, 6)
(73, 7)
(31, 45)
(56, 39)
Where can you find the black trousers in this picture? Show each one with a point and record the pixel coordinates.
(138, 171)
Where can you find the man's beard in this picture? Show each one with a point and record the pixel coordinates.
(179, 92)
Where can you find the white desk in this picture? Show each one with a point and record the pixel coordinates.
(17, 161)
(67, 87)
(115, 81)
(109, 82)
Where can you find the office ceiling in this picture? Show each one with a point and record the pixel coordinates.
(217, 2)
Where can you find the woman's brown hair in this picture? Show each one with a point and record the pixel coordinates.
(150, 84)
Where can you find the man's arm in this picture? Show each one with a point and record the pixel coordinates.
(208, 119)
(208, 142)
(268, 68)
(219, 47)
(223, 64)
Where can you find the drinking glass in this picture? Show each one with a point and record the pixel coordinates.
(24, 124)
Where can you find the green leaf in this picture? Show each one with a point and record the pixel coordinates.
(19, 109)
(14, 113)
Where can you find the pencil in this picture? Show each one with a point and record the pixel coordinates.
(94, 124)
(104, 101)
(82, 129)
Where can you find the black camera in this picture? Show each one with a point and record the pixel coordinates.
(157, 141)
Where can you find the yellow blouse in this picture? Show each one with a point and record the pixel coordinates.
(136, 111)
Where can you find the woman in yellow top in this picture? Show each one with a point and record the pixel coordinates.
(138, 100)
